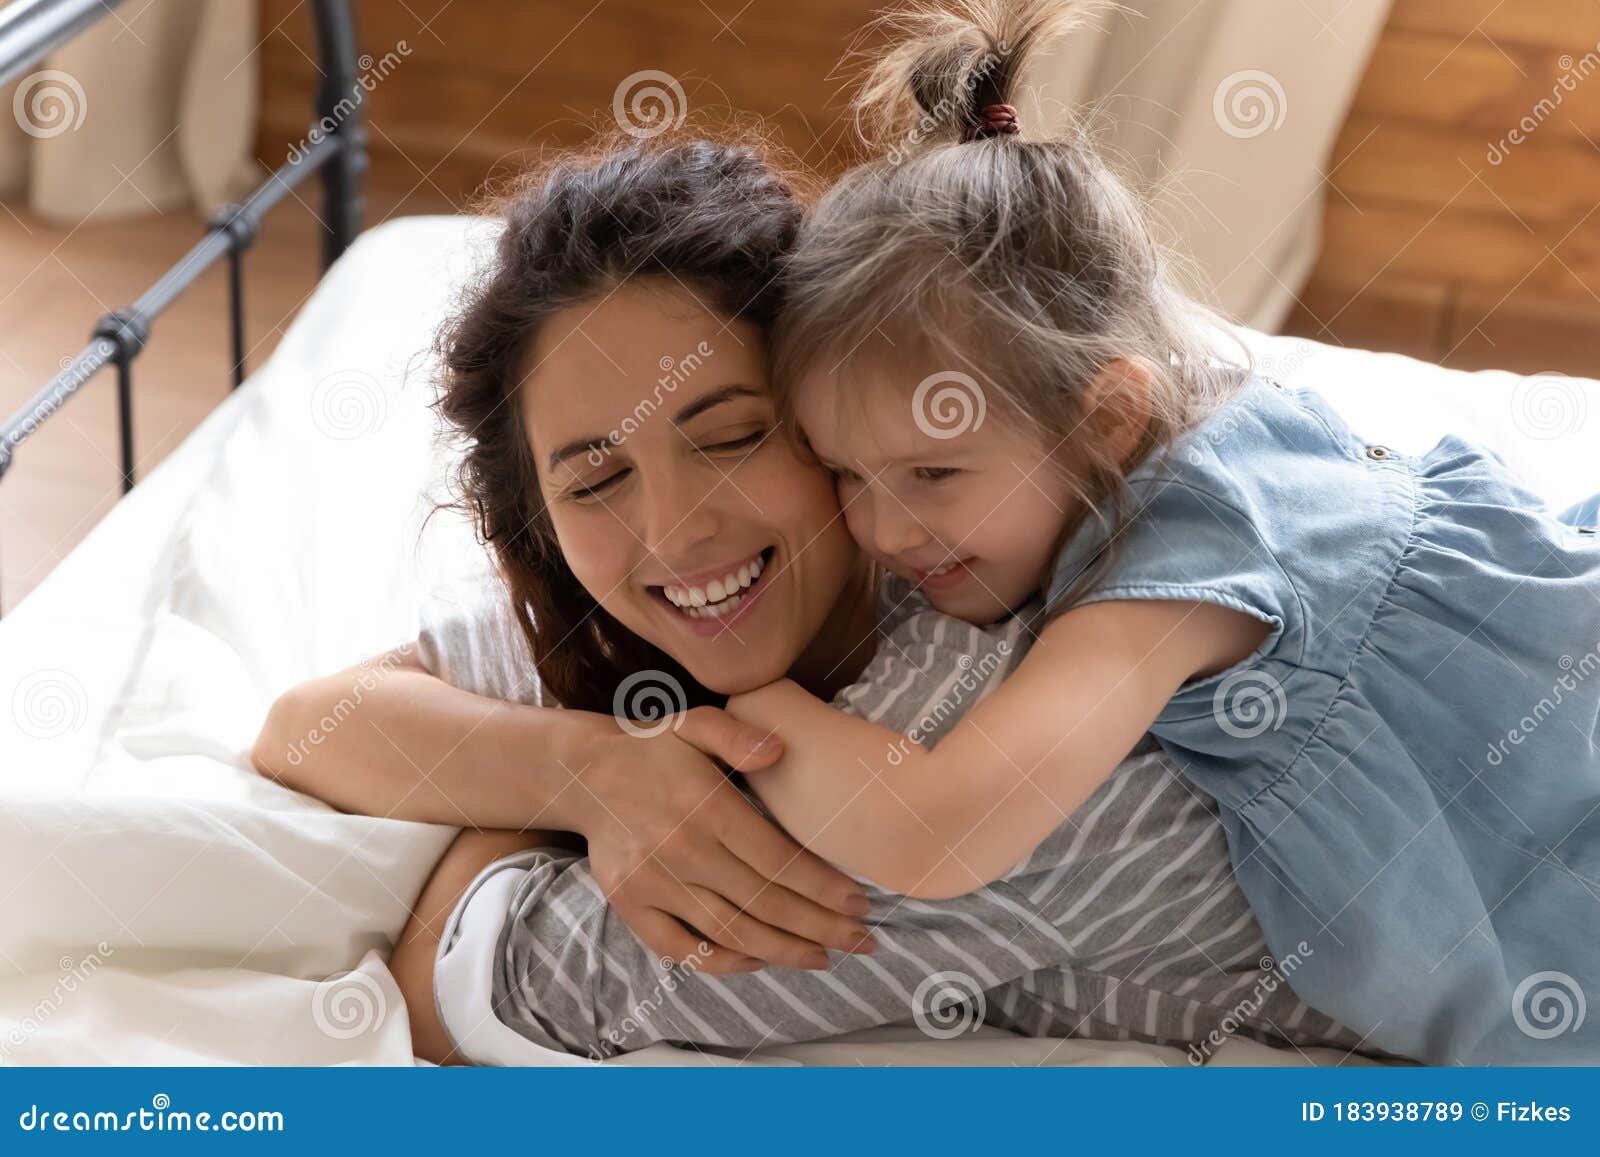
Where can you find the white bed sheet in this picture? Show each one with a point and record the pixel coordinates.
(161, 904)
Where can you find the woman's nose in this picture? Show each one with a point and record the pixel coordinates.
(681, 511)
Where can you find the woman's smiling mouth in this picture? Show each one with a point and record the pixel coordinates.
(713, 603)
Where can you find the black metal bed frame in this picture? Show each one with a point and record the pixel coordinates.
(29, 31)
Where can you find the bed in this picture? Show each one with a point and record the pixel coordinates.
(162, 904)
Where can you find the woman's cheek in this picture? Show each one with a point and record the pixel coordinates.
(597, 554)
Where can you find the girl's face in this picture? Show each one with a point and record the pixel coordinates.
(677, 502)
(937, 491)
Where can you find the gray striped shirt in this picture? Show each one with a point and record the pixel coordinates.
(1124, 924)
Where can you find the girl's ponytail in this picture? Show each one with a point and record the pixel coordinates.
(952, 73)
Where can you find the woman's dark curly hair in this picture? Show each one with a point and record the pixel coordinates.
(716, 218)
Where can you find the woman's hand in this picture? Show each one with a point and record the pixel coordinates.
(674, 843)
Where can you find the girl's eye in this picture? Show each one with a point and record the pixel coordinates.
(934, 473)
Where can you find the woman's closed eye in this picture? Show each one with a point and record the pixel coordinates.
(732, 445)
(934, 473)
(593, 491)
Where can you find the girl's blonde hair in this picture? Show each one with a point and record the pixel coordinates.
(1025, 264)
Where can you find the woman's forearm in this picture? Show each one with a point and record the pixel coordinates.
(388, 738)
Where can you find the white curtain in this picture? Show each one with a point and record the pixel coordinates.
(153, 108)
(1230, 108)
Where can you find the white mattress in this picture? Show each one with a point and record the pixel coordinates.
(159, 903)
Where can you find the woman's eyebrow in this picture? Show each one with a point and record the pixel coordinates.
(575, 447)
(715, 398)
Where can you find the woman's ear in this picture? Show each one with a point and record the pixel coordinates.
(1117, 403)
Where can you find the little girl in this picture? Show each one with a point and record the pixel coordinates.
(1385, 669)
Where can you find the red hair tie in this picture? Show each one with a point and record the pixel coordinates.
(993, 121)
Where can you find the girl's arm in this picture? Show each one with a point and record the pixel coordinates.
(940, 823)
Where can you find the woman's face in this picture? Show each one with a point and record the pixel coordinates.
(677, 502)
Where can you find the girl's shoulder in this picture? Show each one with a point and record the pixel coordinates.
(1269, 505)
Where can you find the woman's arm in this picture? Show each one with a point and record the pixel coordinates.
(664, 824)
(388, 738)
(940, 823)
(414, 954)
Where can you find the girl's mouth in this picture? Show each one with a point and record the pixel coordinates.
(941, 578)
(715, 603)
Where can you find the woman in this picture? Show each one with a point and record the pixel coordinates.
(665, 525)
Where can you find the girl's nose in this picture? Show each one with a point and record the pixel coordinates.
(895, 530)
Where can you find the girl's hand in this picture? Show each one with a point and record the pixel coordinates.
(674, 844)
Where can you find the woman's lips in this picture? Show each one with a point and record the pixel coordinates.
(698, 614)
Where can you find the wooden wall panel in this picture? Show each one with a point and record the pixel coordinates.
(484, 82)
(1487, 249)
(1432, 243)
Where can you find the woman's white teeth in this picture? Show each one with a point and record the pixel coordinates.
(719, 596)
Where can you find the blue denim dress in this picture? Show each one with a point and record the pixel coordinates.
(1408, 768)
